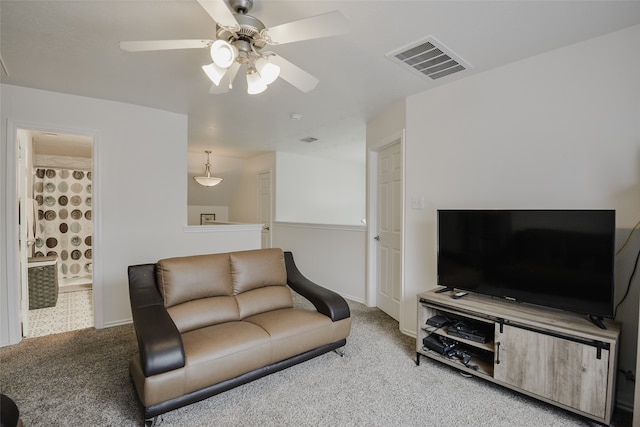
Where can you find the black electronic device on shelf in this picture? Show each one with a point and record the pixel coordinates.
(439, 344)
(470, 331)
(439, 321)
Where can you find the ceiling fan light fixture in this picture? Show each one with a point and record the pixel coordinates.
(214, 72)
(268, 70)
(223, 53)
(255, 84)
(208, 180)
(239, 40)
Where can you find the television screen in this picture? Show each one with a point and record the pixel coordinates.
(557, 258)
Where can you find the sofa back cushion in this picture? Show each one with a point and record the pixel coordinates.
(259, 280)
(204, 290)
(193, 277)
(264, 299)
(204, 312)
(257, 269)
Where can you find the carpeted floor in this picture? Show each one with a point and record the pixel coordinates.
(81, 379)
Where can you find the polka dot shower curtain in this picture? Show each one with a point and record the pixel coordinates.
(63, 200)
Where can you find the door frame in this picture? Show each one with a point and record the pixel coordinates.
(259, 207)
(372, 213)
(12, 250)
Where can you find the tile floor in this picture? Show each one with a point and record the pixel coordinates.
(74, 310)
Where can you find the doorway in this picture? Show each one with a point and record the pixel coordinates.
(56, 242)
(264, 207)
(389, 231)
(385, 288)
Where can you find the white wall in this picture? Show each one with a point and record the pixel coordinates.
(244, 206)
(319, 190)
(139, 205)
(329, 255)
(559, 130)
(386, 125)
(382, 130)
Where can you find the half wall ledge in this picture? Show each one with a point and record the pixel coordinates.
(222, 226)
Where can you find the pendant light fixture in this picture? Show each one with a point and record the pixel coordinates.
(208, 180)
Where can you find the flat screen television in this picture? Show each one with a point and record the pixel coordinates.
(562, 259)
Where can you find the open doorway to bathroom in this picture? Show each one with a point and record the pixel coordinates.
(59, 237)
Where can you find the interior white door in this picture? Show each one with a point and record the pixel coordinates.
(389, 230)
(264, 207)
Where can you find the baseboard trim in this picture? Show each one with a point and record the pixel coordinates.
(116, 323)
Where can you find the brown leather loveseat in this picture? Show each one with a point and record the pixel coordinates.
(208, 323)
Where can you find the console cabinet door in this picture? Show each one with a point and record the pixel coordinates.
(561, 370)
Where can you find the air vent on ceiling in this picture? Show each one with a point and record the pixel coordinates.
(428, 58)
(309, 139)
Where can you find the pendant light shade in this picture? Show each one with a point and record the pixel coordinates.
(214, 72)
(268, 70)
(255, 84)
(208, 180)
(223, 53)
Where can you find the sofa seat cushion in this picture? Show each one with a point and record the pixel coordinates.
(220, 352)
(212, 354)
(294, 331)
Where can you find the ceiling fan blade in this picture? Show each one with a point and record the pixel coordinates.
(226, 82)
(141, 46)
(233, 70)
(324, 25)
(219, 11)
(294, 75)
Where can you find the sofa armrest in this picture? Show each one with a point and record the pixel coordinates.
(326, 302)
(159, 340)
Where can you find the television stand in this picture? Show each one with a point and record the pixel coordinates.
(543, 353)
(598, 321)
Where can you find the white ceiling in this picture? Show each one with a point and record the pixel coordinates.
(61, 144)
(72, 47)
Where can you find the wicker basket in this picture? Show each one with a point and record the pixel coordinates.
(43, 282)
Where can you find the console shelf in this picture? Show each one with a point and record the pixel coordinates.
(557, 357)
(483, 346)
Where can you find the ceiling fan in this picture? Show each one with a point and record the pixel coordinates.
(240, 39)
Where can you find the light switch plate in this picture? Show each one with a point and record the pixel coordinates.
(417, 203)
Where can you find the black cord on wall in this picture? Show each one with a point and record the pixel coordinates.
(633, 272)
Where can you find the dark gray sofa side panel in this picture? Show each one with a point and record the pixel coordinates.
(326, 301)
(159, 340)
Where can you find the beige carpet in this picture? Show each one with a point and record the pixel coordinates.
(81, 379)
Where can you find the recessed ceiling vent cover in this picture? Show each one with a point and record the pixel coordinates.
(428, 58)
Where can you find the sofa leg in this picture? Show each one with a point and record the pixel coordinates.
(340, 351)
(151, 422)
